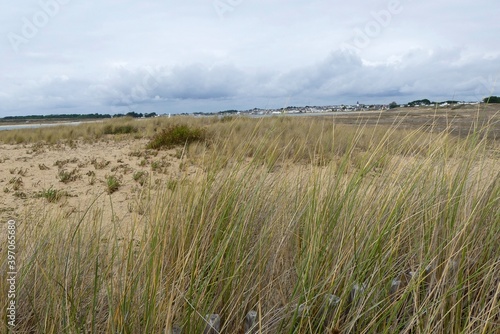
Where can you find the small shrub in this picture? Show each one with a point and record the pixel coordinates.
(176, 135)
(112, 184)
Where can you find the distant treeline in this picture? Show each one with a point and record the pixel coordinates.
(426, 102)
(136, 115)
(75, 117)
(222, 112)
(133, 114)
(55, 117)
(491, 99)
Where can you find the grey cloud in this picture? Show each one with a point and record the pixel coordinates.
(193, 82)
(200, 82)
(184, 55)
(337, 78)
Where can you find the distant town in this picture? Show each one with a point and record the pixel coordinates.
(340, 108)
(358, 107)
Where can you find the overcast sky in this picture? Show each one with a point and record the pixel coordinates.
(169, 56)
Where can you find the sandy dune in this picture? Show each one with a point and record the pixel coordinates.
(79, 175)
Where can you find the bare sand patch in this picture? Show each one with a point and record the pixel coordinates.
(40, 177)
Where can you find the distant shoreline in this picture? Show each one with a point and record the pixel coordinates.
(5, 126)
(4, 122)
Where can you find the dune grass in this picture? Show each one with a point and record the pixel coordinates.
(401, 225)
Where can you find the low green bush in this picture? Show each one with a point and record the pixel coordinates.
(176, 135)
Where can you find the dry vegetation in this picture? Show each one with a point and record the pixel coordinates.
(318, 226)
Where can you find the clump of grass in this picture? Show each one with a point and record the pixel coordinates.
(172, 184)
(73, 144)
(22, 171)
(112, 184)
(38, 148)
(155, 165)
(20, 195)
(62, 163)
(99, 164)
(226, 119)
(160, 166)
(110, 129)
(68, 176)
(19, 139)
(16, 182)
(91, 177)
(124, 167)
(140, 177)
(51, 195)
(177, 135)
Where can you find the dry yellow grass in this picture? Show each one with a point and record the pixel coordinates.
(271, 215)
